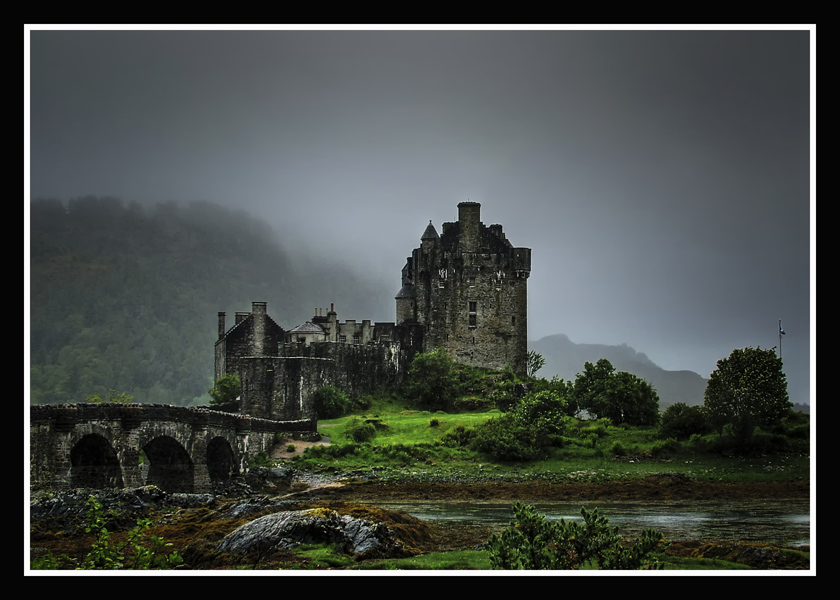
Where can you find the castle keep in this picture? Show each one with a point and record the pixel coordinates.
(467, 289)
(463, 290)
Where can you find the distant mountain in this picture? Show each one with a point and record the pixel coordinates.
(566, 359)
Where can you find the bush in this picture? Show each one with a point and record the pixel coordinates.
(260, 459)
(532, 542)
(135, 553)
(461, 436)
(681, 421)
(330, 403)
(537, 422)
(360, 431)
(472, 404)
(618, 450)
(665, 447)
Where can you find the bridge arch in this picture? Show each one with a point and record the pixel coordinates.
(221, 460)
(94, 463)
(169, 465)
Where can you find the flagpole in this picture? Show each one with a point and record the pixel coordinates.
(781, 331)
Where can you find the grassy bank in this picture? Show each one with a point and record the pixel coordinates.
(410, 444)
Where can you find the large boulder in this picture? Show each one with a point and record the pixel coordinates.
(287, 529)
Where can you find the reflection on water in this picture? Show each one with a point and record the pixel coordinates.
(786, 523)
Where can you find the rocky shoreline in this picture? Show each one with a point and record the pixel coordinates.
(344, 509)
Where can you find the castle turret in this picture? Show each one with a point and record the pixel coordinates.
(469, 222)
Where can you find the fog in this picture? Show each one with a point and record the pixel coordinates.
(662, 178)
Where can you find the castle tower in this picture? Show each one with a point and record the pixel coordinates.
(467, 289)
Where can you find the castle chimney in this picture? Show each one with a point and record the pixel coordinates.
(469, 220)
(221, 325)
(258, 313)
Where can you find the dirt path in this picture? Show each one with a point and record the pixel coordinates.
(280, 450)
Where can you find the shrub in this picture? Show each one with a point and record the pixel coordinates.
(260, 459)
(472, 404)
(461, 435)
(135, 553)
(434, 423)
(681, 421)
(618, 450)
(360, 431)
(291, 448)
(532, 542)
(537, 422)
(664, 447)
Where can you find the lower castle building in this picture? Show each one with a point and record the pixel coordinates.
(463, 290)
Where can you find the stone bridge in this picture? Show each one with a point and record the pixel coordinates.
(176, 448)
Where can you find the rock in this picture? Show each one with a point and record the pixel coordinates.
(287, 529)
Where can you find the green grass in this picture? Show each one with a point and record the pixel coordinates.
(321, 557)
(409, 442)
(435, 561)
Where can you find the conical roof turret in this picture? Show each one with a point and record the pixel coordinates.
(430, 233)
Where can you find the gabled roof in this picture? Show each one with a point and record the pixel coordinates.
(308, 327)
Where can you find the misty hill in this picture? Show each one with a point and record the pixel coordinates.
(126, 297)
(566, 359)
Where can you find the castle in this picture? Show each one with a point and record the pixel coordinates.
(463, 290)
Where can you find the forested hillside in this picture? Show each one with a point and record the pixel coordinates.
(126, 297)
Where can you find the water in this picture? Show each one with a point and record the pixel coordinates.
(783, 523)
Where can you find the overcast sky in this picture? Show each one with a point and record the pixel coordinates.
(662, 178)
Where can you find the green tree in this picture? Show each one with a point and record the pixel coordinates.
(619, 396)
(536, 361)
(330, 403)
(748, 389)
(680, 421)
(433, 380)
(226, 389)
(113, 396)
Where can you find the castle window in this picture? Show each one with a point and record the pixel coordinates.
(472, 281)
(472, 313)
(356, 338)
(513, 320)
(342, 339)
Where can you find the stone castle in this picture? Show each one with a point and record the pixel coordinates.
(463, 290)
